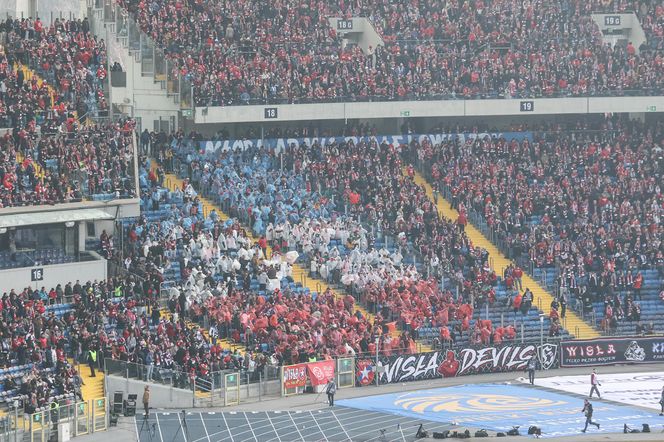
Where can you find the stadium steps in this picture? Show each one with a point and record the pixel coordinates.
(92, 388)
(28, 74)
(166, 313)
(224, 342)
(542, 298)
(300, 274)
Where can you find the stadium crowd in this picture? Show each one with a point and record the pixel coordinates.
(34, 339)
(51, 153)
(588, 204)
(119, 319)
(287, 52)
(330, 237)
(57, 169)
(218, 263)
(68, 59)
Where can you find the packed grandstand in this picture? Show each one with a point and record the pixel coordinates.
(214, 274)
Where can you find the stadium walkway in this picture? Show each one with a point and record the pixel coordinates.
(542, 298)
(300, 273)
(92, 388)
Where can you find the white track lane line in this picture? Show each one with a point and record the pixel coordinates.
(319, 428)
(182, 428)
(204, 426)
(341, 426)
(161, 436)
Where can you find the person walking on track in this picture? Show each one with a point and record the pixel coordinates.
(532, 366)
(330, 389)
(146, 400)
(594, 383)
(661, 403)
(588, 411)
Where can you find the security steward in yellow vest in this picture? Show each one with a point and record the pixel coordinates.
(55, 411)
(92, 360)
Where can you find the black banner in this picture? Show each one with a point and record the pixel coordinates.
(608, 351)
(452, 363)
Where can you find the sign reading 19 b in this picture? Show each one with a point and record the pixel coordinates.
(527, 106)
(612, 20)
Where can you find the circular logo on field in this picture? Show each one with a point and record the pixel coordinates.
(486, 403)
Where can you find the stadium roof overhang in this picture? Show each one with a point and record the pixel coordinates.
(53, 217)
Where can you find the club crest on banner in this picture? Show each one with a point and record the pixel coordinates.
(547, 355)
(635, 352)
(365, 372)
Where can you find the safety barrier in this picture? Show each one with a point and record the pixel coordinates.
(231, 389)
(293, 379)
(67, 420)
(235, 387)
(345, 372)
(217, 388)
(10, 425)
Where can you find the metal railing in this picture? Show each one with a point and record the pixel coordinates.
(73, 418)
(154, 60)
(148, 373)
(209, 390)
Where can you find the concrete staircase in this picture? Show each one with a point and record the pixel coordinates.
(300, 274)
(92, 388)
(28, 74)
(542, 298)
(147, 94)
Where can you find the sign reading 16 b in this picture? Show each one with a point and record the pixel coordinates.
(345, 24)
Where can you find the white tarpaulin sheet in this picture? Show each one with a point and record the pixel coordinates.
(642, 389)
(58, 216)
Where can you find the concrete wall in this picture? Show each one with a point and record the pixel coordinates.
(53, 275)
(442, 108)
(46, 10)
(142, 97)
(161, 396)
(389, 125)
(49, 10)
(7, 8)
(120, 208)
(164, 396)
